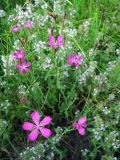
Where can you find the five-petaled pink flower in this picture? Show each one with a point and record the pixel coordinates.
(27, 25)
(20, 55)
(56, 44)
(38, 127)
(15, 29)
(23, 67)
(80, 125)
(74, 60)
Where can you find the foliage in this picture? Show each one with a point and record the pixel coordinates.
(52, 87)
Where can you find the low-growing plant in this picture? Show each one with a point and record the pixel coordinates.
(60, 61)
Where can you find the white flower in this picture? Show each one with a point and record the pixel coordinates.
(22, 90)
(8, 63)
(2, 13)
(106, 111)
(66, 73)
(47, 63)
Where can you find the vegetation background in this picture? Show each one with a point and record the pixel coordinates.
(93, 91)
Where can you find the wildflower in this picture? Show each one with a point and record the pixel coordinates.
(28, 24)
(74, 60)
(47, 63)
(2, 13)
(8, 64)
(56, 44)
(20, 55)
(66, 73)
(15, 29)
(80, 125)
(22, 90)
(23, 67)
(23, 100)
(38, 127)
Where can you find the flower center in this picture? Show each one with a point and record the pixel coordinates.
(20, 56)
(39, 126)
(75, 60)
(24, 67)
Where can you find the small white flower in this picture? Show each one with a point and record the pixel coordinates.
(2, 13)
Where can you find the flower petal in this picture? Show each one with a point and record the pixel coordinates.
(45, 121)
(28, 126)
(18, 66)
(23, 62)
(19, 51)
(81, 131)
(70, 63)
(74, 55)
(21, 70)
(26, 69)
(75, 125)
(45, 132)
(15, 29)
(51, 41)
(28, 64)
(15, 54)
(69, 58)
(52, 38)
(24, 53)
(82, 120)
(23, 100)
(33, 135)
(35, 117)
(60, 41)
(76, 64)
(80, 58)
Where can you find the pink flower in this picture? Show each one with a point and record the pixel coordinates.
(20, 55)
(15, 29)
(80, 125)
(74, 60)
(38, 127)
(56, 44)
(23, 100)
(23, 67)
(27, 25)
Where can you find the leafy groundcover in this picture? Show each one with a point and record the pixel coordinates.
(60, 80)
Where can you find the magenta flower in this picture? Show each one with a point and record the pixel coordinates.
(74, 60)
(20, 55)
(38, 127)
(80, 125)
(27, 25)
(15, 29)
(23, 100)
(56, 44)
(23, 67)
